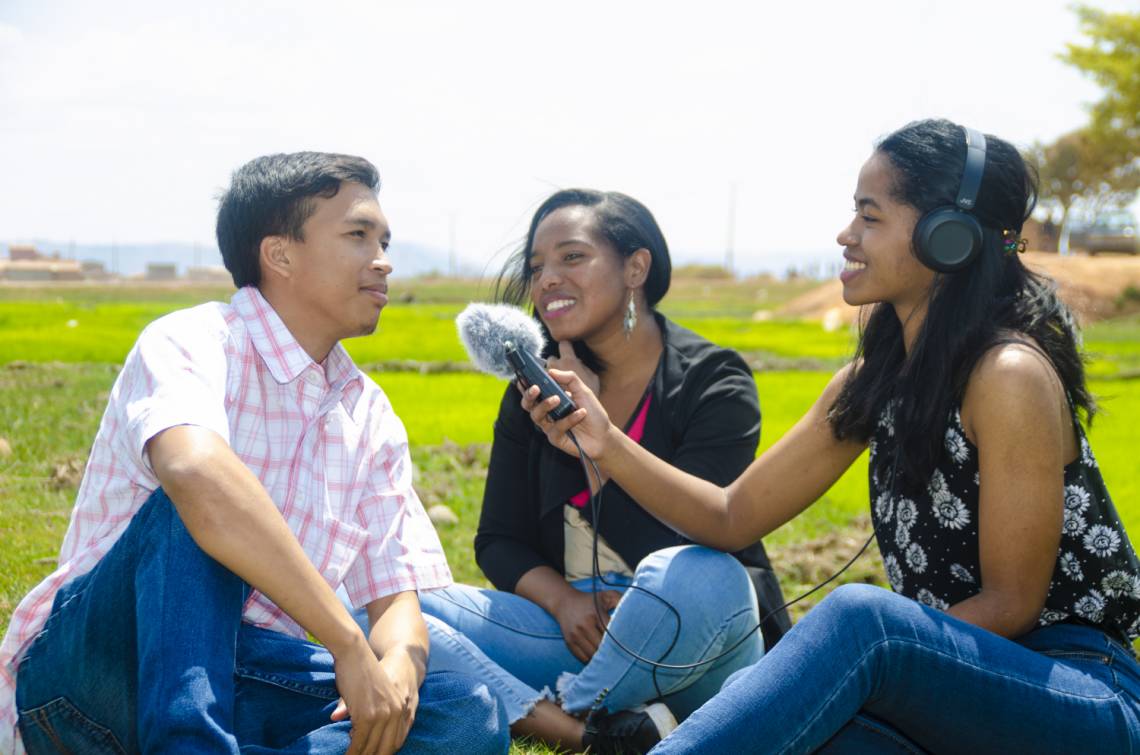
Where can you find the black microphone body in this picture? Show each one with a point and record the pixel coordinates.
(529, 372)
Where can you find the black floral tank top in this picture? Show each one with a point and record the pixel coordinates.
(929, 542)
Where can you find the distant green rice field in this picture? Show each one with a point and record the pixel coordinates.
(85, 325)
(1113, 347)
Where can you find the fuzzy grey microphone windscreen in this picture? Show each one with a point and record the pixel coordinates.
(483, 328)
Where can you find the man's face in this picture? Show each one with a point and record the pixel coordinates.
(339, 280)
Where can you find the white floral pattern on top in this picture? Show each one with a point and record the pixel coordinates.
(1121, 583)
(1102, 540)
(951, 512)
(1087, 457)
(1076, 499)
(887, 417)
(1073, 524)
(884, 506)
(1071, 566)
(902, 536)
(929, 535)
(1091, 607)
(916, 558)
(937, 488)
(961, 573)
(927, 598)
(894, 572)
(907, 512)
(956, 446)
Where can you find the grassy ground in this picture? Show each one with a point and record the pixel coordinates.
(60, 349)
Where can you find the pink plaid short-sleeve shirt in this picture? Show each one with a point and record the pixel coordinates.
(323, 440)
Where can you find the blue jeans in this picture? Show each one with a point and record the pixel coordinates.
(518, 648)
(871, 671)
(147, 652)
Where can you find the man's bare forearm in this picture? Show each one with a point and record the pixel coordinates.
(232, 518)
(398, 633)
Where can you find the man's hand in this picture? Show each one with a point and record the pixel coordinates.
(582, 629)
(405, 676)
(381, 696)
(381, 712)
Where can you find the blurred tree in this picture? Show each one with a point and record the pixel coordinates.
(1084, 172)
(1112, 59)
(1097, 167)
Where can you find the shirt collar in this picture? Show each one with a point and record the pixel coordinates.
(285, 357)
(344, 377)
(276, 346)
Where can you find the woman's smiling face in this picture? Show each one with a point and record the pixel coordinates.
(578, 281)
(880, 266)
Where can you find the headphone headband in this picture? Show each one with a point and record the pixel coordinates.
(975, 166)
(948, 238)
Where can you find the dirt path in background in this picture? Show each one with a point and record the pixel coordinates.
(1089, 285)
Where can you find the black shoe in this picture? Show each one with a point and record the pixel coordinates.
(628, 732)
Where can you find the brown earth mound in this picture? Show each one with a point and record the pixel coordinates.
(1091, 286)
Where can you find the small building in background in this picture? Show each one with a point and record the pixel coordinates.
(41, 270)
(94, 270)
(161, 271)
(23, 252)
(208, 274)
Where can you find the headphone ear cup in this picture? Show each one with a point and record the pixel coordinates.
(947, 239)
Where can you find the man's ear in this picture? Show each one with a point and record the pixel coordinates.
(274, 257)
(637, 268)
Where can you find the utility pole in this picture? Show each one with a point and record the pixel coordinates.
(730, 241)
(452, 262)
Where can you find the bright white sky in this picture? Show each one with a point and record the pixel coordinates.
(123, 119)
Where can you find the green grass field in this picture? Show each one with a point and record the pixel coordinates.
(60, 350)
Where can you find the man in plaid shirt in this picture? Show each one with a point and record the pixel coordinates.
(243, 470)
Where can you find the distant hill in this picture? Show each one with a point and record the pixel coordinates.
(131, 259)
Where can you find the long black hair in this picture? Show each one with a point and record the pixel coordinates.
(623, 221)
(992, 301)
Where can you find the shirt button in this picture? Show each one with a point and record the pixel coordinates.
(313, 378)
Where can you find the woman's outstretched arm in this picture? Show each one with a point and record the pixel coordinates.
(781, 483)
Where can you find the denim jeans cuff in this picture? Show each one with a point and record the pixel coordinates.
(528, 707)
(576, 707)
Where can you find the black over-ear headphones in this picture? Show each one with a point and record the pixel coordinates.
(948, 238)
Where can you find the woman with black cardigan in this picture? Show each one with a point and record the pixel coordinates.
(594, 265)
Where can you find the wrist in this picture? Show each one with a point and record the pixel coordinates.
(611, 443)
(347, 642)
(405, 666)
(560, 599)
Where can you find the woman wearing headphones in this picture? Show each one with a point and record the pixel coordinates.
(1016, 589)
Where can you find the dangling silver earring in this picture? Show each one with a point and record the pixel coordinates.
(629, 322)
